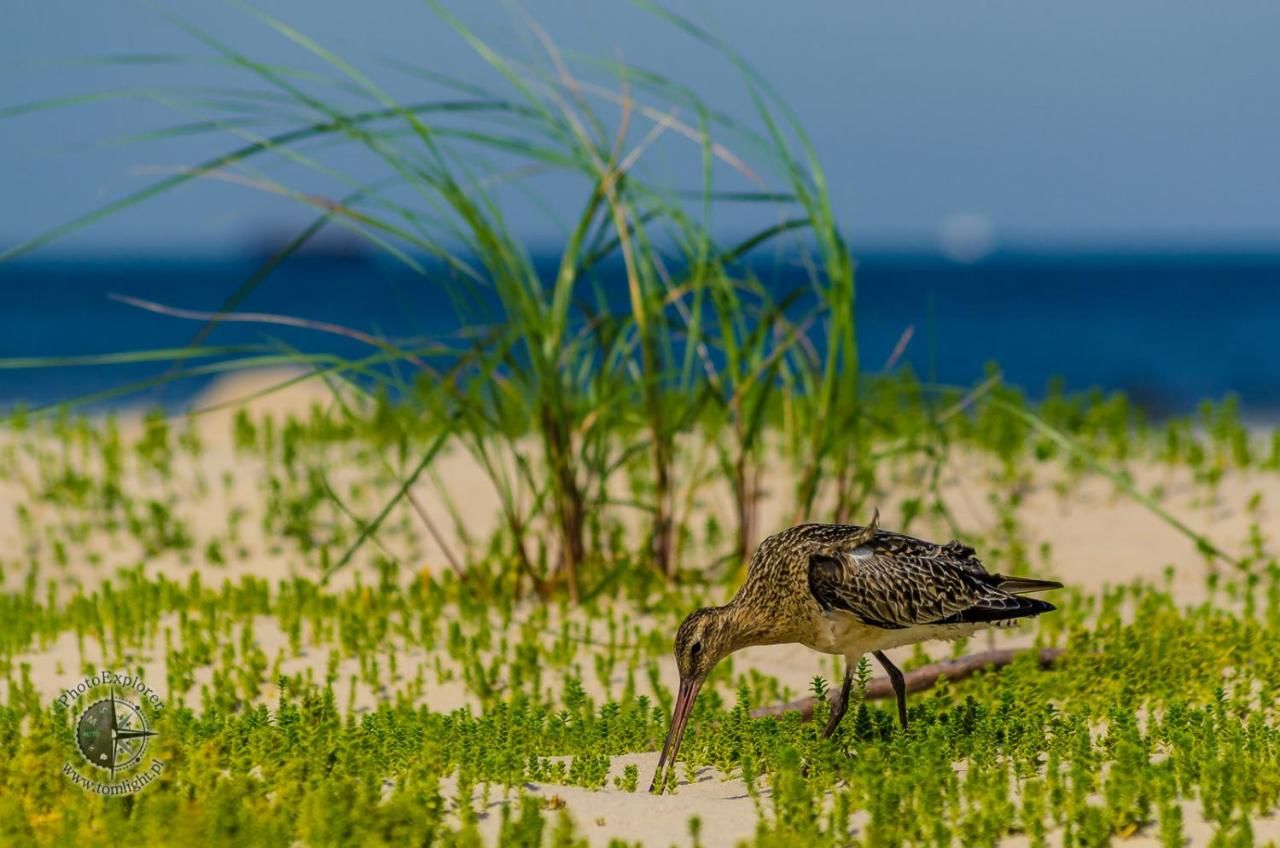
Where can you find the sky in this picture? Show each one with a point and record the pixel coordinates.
(1087, 124)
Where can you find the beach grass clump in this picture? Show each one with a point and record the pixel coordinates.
(645, 370)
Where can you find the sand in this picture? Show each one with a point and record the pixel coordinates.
(1094, 537)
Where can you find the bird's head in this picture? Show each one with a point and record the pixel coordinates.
(702, 641)
(705, 637)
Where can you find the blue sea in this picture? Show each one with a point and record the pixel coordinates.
(1169, 329)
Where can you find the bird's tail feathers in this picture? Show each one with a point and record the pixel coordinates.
(1026, 585)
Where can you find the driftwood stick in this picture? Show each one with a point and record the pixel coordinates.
(922, 678)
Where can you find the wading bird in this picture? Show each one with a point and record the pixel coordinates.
(846, 590)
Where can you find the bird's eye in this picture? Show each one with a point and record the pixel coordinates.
(695, 649)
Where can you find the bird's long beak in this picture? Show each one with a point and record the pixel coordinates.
(679, 718)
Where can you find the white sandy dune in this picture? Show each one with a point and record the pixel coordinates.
(1093, 537)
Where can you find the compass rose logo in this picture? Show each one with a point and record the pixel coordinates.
(112, 733)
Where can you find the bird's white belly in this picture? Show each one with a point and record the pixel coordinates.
(846, 636)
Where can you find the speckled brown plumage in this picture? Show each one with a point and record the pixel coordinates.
(894, 582)
(848, 590)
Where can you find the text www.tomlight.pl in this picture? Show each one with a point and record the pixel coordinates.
(124, 787)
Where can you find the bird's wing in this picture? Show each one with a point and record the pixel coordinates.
(894, 581)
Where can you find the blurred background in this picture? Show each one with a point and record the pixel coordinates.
(1087, 191)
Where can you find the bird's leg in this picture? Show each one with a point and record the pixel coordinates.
(899, 686)
(842, 702)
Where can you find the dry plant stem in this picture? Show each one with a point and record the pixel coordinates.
(454, 563)
(265, 318)
(568, 499)
(925, 677)
(742, 498)
(746, 496)
(846, 502)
